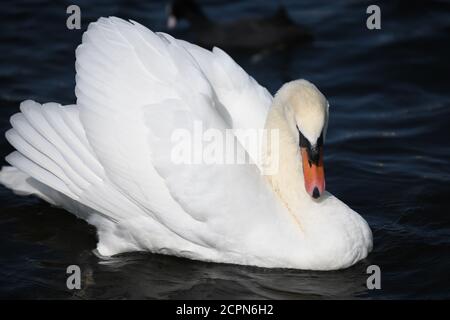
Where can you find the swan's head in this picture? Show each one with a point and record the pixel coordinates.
(306, 110)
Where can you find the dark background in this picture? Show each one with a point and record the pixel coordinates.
(387, 151)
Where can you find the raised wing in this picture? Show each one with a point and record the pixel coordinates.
(110, 158)
(246, 101)
(134, 89)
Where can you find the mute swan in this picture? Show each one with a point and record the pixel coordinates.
(107, 159)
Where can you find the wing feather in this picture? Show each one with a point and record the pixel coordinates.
(111, 154)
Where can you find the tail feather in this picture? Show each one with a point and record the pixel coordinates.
(23, 184)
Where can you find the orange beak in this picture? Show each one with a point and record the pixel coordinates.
(313, 173)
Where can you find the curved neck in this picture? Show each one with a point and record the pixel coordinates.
(283, 154)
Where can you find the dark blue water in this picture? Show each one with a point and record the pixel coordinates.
(387, 152)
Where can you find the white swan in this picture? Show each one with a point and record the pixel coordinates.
(107, 159)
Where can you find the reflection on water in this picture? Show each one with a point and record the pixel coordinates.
(51, 248)
(386, 152)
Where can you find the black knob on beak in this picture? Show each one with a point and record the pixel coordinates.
(316, 193)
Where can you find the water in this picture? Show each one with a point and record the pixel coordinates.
(387, 152)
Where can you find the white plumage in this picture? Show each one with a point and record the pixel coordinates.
(107, 159)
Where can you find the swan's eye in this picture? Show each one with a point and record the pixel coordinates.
(303, 142)
(313, 151)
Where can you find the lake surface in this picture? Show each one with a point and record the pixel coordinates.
(387, 152)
